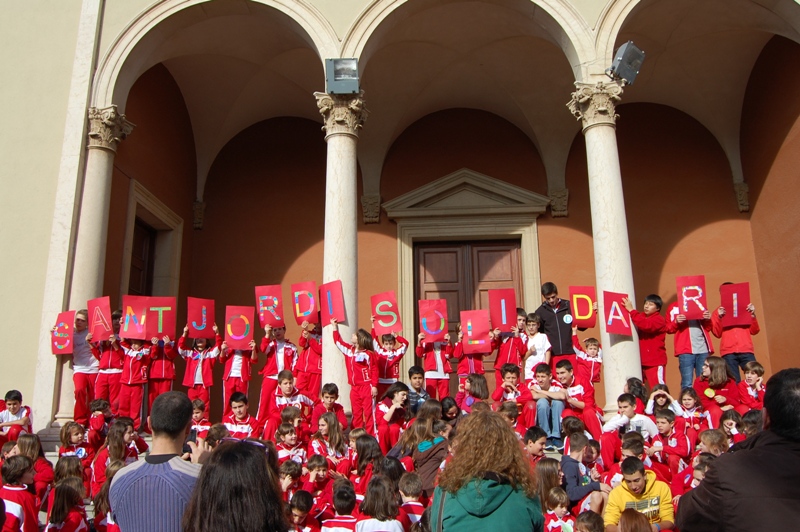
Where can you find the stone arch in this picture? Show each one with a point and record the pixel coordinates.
(123, 63)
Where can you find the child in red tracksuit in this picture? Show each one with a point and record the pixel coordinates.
(751, 389)
(437, 369)
(362, 375)
(391, 415)
(511, 389)
(134, 377)
(99, 423)
(281, 355)
(735, 342)
(389, 352)
(110, 355)
(330, 394)
(236, 375)
(671, 448)
(652, 329)
(73, 444)
(588, 357)
(512, 348)
(469, 363)
(200, 359)
(309, 362)
(162, 371)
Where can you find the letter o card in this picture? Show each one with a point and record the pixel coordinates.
(617, 317)
(475, 326)
(386, 312)
(304, 302)
(200, 317)
(239, 326)
(582, 300)
(433, 319)
(692, 299)
(61, 339)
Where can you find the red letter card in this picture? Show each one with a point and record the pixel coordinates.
(331, 302)
(200, 317)
(269, 303)
(503, 309)
(735, 298)
(617, 317)
(100, 319)
(386, 312)
(239, 326)
(162, 317)
(62, 340)
(305, 307)
(582, 299)
(475, 326)
(433, 319)
(134, 317)
(692, 300)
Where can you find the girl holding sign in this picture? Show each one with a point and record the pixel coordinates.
(362, 375)
(200, 359)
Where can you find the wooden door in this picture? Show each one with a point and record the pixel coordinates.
(142, 260)
(462, 273)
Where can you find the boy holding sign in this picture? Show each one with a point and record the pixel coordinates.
(652, 329)
(736, 342)
(200, 360)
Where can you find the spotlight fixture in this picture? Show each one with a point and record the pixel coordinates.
(627, 62)
(341, 76)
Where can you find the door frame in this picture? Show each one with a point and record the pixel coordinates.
(466, 205)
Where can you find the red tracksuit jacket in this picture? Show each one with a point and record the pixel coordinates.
(652, 331)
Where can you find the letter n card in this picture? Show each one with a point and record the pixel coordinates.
(617, 317)
(134, 317)
(475, 326)
(582, 300)
(61, 339)
(386, 312)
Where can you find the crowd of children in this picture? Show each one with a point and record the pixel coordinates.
(378, 470)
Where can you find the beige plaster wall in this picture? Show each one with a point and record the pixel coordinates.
(33, 96)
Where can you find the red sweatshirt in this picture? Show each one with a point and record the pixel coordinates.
(729, 390)
(652, 331)
(310, 358)
(134, 369)
(206, 358)
(736, 339)
(110, 355)
(161, 362)
(362, 369)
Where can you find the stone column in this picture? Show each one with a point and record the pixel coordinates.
(594, 106)
(344, 115)
(107, 128)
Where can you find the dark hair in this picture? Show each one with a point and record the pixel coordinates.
(344, 497)
(509, 368)
(636, 388)
(754, 367)
(533, 434)
(284, 429)
(571, 425)
(631, 520)
(782, 403)
(171, 414)
(99, 405)
(330, 388)
(577, 441)
(533, 318)
(424, 523)
(448, 403)
(302, 500)
(478, 387)
(101, 503)
(381, 499)
(627, 398)
(66, 432)
(731, 415)
(557, 497)
(632, 465)
(543, 369)
(363, 340)
(115, 439)
(521, 313)
(198, 404)
(720, 372)
(237, 397)
(369, 452)
(68, 495)
(252, 499)
(216, 433)
(691, 392)
(285, 375)
(752, 421)
(655, 298)
(634, 445)
(669, 415)
(393, 389)
(659, 388)
(68, 466)
(387, 338)
(590, 521)
(391, 468)
(564, 364)
(335, 438)
(291, 468)
(14, 395)
(316, 461)
(290, 413)
(14, 467)
(410, 484)
(549, 288)
(415, 370)
(508, 409)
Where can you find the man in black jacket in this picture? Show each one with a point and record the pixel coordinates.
(556, 317)
(754, 487)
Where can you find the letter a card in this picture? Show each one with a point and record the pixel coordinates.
(99, 318)
(617, 317)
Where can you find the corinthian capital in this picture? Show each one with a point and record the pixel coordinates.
(107, 128)
(594, 104)
(343, 113)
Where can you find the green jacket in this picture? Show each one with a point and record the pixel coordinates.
(490, 505)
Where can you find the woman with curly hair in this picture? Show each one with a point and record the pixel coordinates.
(488, 484)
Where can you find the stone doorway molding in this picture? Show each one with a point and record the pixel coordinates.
(466, 205)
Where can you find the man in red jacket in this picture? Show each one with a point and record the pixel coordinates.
(652, 329)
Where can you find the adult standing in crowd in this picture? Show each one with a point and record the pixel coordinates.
(151, 494)
(556, 317)
(489, 484)
(755, 486)
(84, 369)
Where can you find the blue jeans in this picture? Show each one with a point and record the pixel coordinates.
(548, 417)
(688, 364)
(737, 360)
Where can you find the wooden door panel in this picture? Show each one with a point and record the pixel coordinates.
(140, 281)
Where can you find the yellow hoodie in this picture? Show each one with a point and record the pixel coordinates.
(655, 502)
